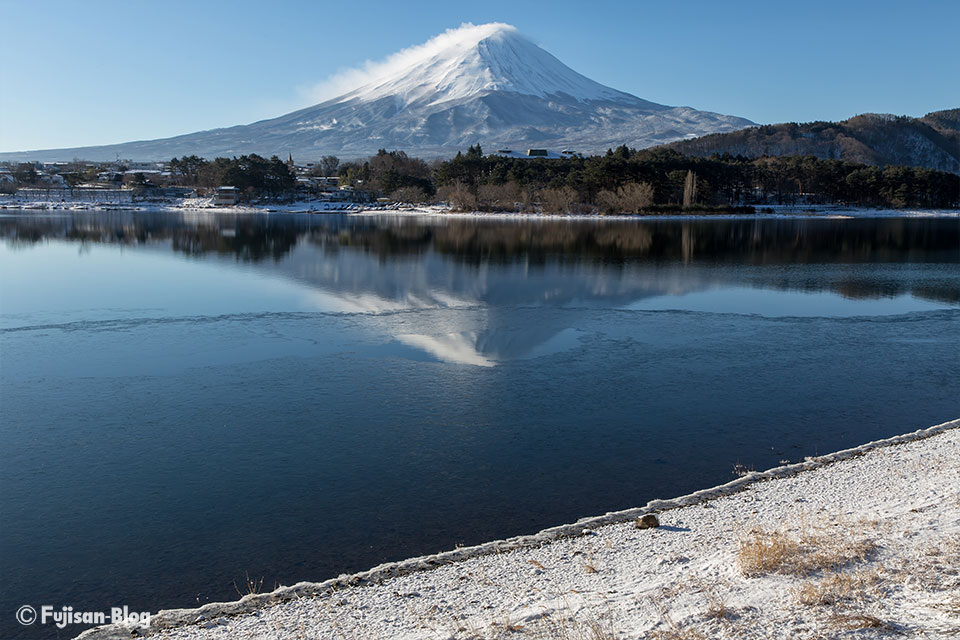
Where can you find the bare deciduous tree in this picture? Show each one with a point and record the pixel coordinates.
(563, 200)
(409, 194)
(329, 165)
(690, 189)
(498, 197)
(458, 195)
(632, 197)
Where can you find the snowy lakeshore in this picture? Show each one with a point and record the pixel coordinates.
(318, 206)
(861, 543)
(764, 211)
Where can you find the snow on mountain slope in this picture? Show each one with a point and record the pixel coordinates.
(477, 59)
(484, 84)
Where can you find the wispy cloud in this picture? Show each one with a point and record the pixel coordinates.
(346, 80)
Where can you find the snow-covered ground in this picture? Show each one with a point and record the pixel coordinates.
(762, 211)
(863, 543)
(324, 206)
(189, 204)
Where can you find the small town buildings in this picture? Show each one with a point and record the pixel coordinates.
(330, 183)
(111, 176)
(92, 194)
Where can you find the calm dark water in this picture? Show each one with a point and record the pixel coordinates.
(186, 399)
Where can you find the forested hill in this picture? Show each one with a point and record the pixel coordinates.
(932, 141)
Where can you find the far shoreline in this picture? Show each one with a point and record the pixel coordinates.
(196, 206)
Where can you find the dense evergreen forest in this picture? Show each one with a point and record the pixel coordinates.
(251, 173)
(657, 179)
(621, 181)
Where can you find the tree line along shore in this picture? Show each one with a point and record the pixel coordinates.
(623, 180)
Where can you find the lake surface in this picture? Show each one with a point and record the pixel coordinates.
(190, 398)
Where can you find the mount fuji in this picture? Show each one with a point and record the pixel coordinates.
(484, 84)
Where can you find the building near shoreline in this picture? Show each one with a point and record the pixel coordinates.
(535, 153)
(76, 194)
(227, 196)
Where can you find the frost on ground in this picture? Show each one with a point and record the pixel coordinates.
(206, 204)
(864, 547)
(762, 212)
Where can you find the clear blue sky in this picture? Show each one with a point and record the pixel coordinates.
(102, 71)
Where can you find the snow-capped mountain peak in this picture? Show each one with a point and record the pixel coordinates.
(473, 60)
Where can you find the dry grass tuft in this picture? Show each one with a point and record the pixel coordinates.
(507, 625)
(837, 588)
(851, 621)
(253, 586)
(777, 552)
(570, 628)
(590, 565)
(677, 633)
(717, 607)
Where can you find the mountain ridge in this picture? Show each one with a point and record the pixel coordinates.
(931, 141)
(485, 84)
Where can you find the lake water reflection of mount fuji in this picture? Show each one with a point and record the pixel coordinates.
(187, 398)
